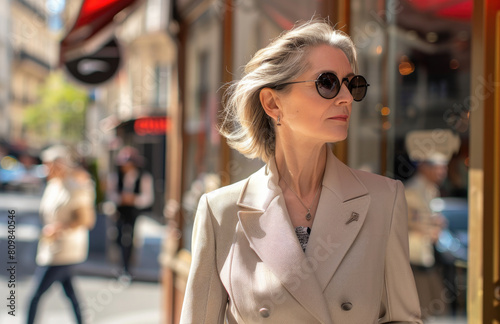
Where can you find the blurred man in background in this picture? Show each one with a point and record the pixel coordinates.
(431, 151)
(131, 190)
(424, 228)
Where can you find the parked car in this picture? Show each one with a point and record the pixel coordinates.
(15, 175)
(453, 241)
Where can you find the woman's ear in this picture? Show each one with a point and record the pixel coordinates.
(270, 102)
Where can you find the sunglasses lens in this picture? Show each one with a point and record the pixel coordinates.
(357, 87)
(328, 85)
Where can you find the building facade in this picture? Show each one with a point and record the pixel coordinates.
(33, 53)
(4, 69)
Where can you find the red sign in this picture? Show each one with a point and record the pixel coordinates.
(151, 126)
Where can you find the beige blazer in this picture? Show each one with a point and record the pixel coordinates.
(248, 266)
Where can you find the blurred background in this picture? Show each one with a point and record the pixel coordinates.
(98, 75)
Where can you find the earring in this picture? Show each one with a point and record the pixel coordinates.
(278, 123)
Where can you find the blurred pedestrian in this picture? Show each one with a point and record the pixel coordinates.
(130, 188)
(305, 239)
(431, 151)
(67, 212)
(425, 227)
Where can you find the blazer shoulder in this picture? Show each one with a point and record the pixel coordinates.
(377, 182)
(228, 191)
(225, 198)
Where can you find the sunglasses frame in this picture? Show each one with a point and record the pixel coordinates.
(341, 82)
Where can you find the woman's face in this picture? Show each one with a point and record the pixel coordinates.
(306, 116)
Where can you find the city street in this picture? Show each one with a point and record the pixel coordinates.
(104, 301)
(104, 296)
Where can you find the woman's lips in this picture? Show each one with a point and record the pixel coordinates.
(340, 117)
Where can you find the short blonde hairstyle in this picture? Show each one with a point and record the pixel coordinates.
(245, 124)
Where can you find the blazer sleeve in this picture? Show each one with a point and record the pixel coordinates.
(205, 298)
(400, 300)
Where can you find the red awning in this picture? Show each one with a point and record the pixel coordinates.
(453, 9)
(94, 15)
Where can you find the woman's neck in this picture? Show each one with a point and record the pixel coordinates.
(301, 166)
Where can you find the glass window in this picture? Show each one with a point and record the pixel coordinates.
(162, 78)
(201, 139)
(416, 56)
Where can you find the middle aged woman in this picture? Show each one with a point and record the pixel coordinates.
(305, 239)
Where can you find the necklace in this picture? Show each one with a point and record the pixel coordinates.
(308, 215)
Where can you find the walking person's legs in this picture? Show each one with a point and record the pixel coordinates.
(44, 278)
(125, 239)
(128, 244)
(70, 292)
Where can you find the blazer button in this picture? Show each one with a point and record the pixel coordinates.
(346, 306)
(264, 312)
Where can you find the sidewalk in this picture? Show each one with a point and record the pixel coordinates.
(103, 301)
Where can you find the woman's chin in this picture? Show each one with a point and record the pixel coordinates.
(338, 136)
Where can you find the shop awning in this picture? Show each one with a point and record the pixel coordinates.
(96, 17)
(453, 9)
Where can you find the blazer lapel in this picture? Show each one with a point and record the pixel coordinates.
(340, 215)
(271, 235)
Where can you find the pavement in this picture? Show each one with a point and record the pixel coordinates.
(103, 301)
(105, 297)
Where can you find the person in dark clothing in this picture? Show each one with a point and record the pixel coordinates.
(130, 189)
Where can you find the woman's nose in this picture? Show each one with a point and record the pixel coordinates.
(344, 96)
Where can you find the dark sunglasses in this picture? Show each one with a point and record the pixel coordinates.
(328, 85)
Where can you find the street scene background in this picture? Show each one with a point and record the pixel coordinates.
(105, 297)
(101, 76)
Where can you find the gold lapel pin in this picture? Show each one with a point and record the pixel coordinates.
(354, 218)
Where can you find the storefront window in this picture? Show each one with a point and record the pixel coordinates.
(202, 142)
(416, 56)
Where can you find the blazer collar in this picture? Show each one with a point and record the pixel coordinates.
(341, 213)
(340, 179)
(268, 228)
(272, 237)
(262, 186)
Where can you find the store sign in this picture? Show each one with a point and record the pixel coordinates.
(97, 67)
(151, 126)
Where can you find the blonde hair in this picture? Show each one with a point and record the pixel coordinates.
(245, 124)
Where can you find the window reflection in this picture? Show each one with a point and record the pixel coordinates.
(416, 56)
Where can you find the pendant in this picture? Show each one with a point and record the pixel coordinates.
(308, 216)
